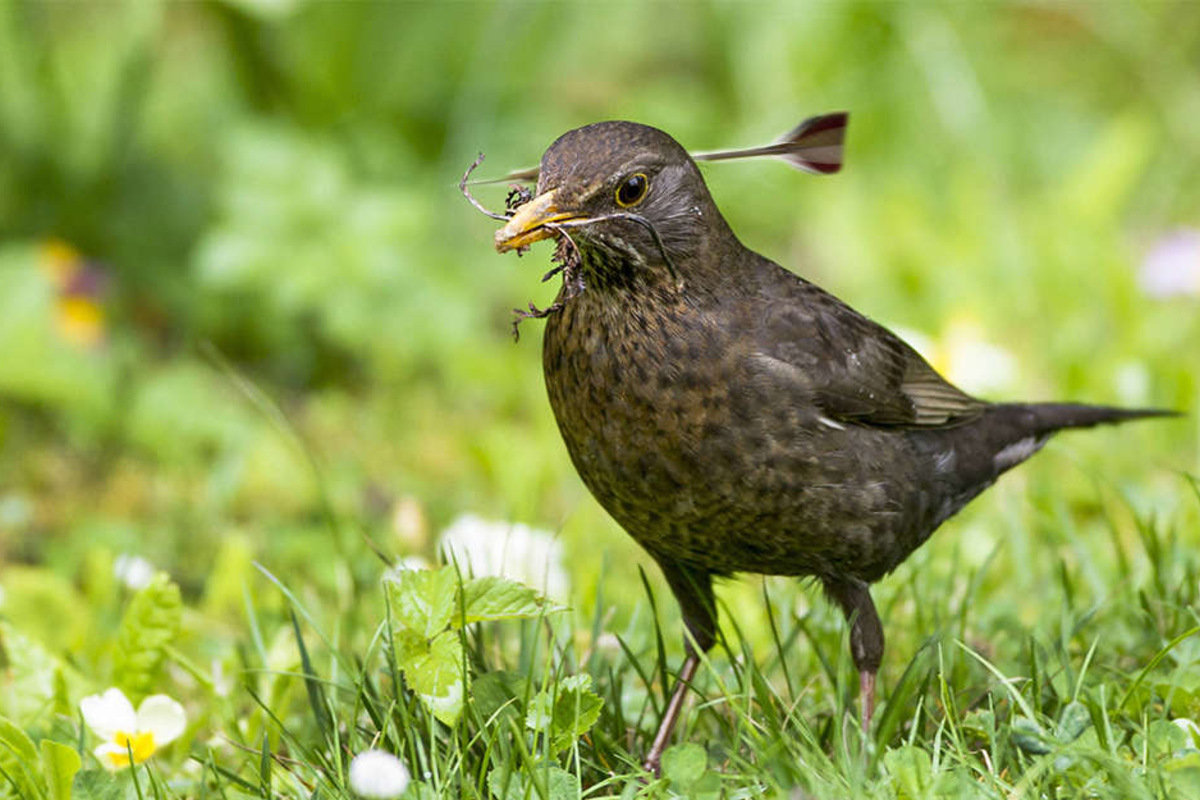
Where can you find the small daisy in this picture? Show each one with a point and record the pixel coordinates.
(159, 720)
(408, 563)
(964, 355)
(1191, 729)
(378, 775)
(409, 524)
(512, 550)
(133, 571)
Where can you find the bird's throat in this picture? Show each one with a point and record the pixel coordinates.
(608, 271)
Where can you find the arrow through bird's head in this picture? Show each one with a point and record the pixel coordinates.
(621, 190)
(626, 200)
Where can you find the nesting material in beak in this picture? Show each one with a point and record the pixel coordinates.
(530, 223)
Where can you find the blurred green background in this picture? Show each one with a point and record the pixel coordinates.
(245, 313)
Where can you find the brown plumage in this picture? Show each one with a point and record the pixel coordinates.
(733, 417)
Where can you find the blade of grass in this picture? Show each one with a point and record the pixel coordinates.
(316, 693)
(1154, 662)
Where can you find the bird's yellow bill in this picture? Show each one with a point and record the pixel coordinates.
(528, 225)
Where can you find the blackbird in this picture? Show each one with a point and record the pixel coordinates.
(734, 417)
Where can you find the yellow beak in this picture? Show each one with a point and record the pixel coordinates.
(528, 224)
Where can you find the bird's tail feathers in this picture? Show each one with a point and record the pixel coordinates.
(1050, 417)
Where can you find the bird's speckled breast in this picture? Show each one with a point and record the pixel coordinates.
(697, 461)
(634, 410)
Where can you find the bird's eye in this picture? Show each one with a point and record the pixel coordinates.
(632, 190)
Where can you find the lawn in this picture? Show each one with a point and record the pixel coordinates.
(272, 466)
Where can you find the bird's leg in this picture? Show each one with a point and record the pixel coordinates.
(866, 637)
(866, 696)
(671, 715)
(693, 590)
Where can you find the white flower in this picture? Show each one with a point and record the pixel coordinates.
(406, 564)
(413, 563)
(965, 357)
(1190, 728)
(608, 643)
(409, 524)
(222, 683)
(512, 550)
(158, 721)
(379, 775)
(1172, 267)
(133, 571)
(979, 367)
(1132, 380)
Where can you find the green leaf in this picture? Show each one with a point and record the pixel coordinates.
(911, 770)
(18, 758)
(497, 696)
(59, 765)
(1183, 774)
(422, 600)
(707, 788)
(150, 624)
(979, 724)
(554, 783)
(565, 711)
(32, 678)
(419, 790)
(434, 671)
(1073, 721)
(96, 784)
(493, 597)
(1030, 737)
(1165, 737)
(684, 765)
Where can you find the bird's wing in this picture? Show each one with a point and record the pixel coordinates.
(852, 368)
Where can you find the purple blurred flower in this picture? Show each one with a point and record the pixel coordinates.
(81, 286)
(1172, 267)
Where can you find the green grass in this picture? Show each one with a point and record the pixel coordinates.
(981, 698)
(305, 363)
(977, 703)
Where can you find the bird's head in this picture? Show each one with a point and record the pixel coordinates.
(622, 191)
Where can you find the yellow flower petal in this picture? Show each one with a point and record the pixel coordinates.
(141, 744)
(115, 754)
(80, 321)
(111, 757)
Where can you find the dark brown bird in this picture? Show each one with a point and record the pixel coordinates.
(733, 417)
